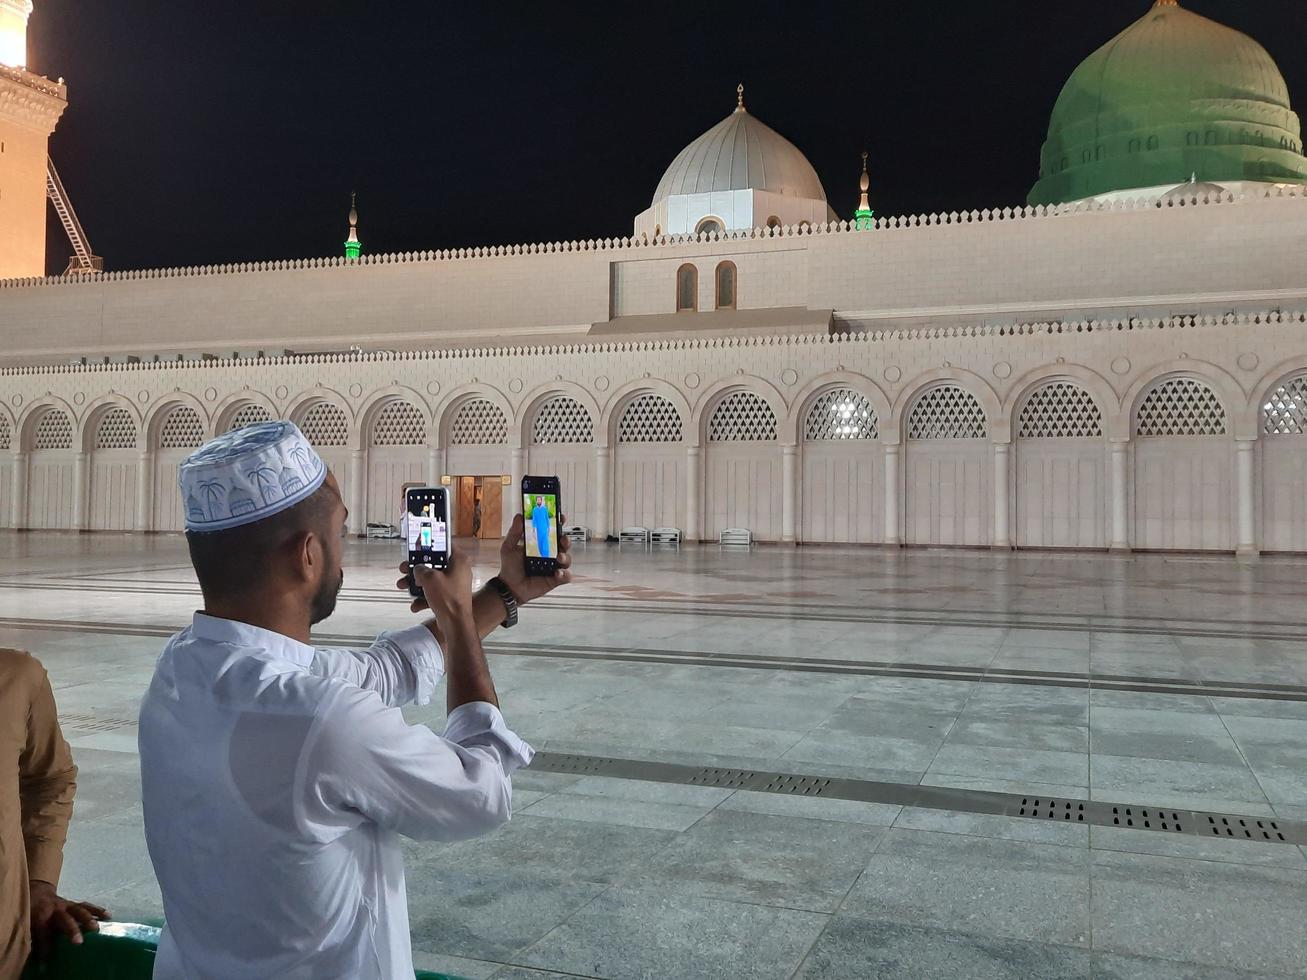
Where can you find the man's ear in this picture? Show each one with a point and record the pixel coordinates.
(306, 548)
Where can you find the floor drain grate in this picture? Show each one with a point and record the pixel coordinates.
(1246, 828)
(724, 778)
(1144, 819)
(793, 785)
(1052, 809)
(93, 724)
(585, 765)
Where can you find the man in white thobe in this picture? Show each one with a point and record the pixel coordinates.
(277, 776)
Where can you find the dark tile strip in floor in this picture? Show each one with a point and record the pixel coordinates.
(1032, 806)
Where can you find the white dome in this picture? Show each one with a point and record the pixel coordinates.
(741, 153)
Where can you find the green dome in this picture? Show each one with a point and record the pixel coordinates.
(1171, 96)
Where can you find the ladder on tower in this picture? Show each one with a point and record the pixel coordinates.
(83, 261)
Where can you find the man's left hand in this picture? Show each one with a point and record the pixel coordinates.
(52, 915)
(512, 564)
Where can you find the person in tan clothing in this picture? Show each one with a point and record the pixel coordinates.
(37, 781)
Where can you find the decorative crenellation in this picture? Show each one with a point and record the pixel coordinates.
(1031, 329)
(32, 100)
(610, 244)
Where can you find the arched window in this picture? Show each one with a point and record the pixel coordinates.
(1059, 410)
(709, 226)
(562, 421)
(1135, 145)
(840, 414)
(399, 423)
(726, 285)
(1099, 152)
(181, 429)
(1211, 137)
(117, 430)
(4, 433)
(479, 422)
(1285, 410)
(649, 418)
(658, 231)
(54, 430)
(248, 415)
(1191, 138)
(324, 424)
(1153, 143)
(773, 222)
(947, 412)
(687, 288)
(1180, 407)
(805, 226)
(742, 417)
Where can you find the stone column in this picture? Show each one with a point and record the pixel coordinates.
(81, 491)
(433, 466)
(1245, 494)
(789, 492)
(1002, 496)
(18, 490)
(513, 499)
(355, 503)
(144, 490)
(893, 533)
(603, 493)
(693, 493)
(1118, 475)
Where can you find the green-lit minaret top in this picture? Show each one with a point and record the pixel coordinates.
(863, 217)
(352, 244)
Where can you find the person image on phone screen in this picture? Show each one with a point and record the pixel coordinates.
(540, 521)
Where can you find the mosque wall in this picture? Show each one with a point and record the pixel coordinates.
(1172, 433)
(997, 267)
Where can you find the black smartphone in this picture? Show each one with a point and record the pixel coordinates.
(540, 508)
(427, 526)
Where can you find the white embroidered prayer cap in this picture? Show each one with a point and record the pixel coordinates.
(247, 475)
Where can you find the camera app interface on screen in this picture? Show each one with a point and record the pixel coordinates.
(428, 531)
(541, 512)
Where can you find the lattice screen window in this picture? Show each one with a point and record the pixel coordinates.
(947, 412)
(650, 418)
(1059, 410)
(562, 421)
(479, 422)
(54, 430)
(248, 415)
(1180, 407)
(399, 423)
(324, 424)
(841, 413)
(5, 434)
(116, 431)
(182, 429)
(1285, 411)
(742, 417)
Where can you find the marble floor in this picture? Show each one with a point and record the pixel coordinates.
(1150, 680)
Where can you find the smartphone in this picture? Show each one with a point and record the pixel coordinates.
(540, 508)
(427, 523)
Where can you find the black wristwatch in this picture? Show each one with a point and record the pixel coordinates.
(509, 600)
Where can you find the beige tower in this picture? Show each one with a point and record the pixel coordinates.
(30, 106)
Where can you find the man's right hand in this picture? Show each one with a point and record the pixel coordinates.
(448, 592)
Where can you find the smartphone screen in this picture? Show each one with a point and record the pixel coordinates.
(428, 527)
(540, 509)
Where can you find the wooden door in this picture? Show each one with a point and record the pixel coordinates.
(492, 494)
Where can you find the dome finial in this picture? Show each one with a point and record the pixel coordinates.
(352, 244)
(863, 217)
(739, 97)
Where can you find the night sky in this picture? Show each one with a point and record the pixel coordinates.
(221, 132)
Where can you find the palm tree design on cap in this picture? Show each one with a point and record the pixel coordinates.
(308, 465)
(214, 491)
(269, 486)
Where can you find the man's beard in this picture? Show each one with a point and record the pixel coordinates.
(324, 603)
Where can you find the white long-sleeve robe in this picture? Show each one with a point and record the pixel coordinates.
(276, 778)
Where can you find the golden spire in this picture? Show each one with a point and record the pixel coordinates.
(864, 182)
(739, 97)
(353, 218)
